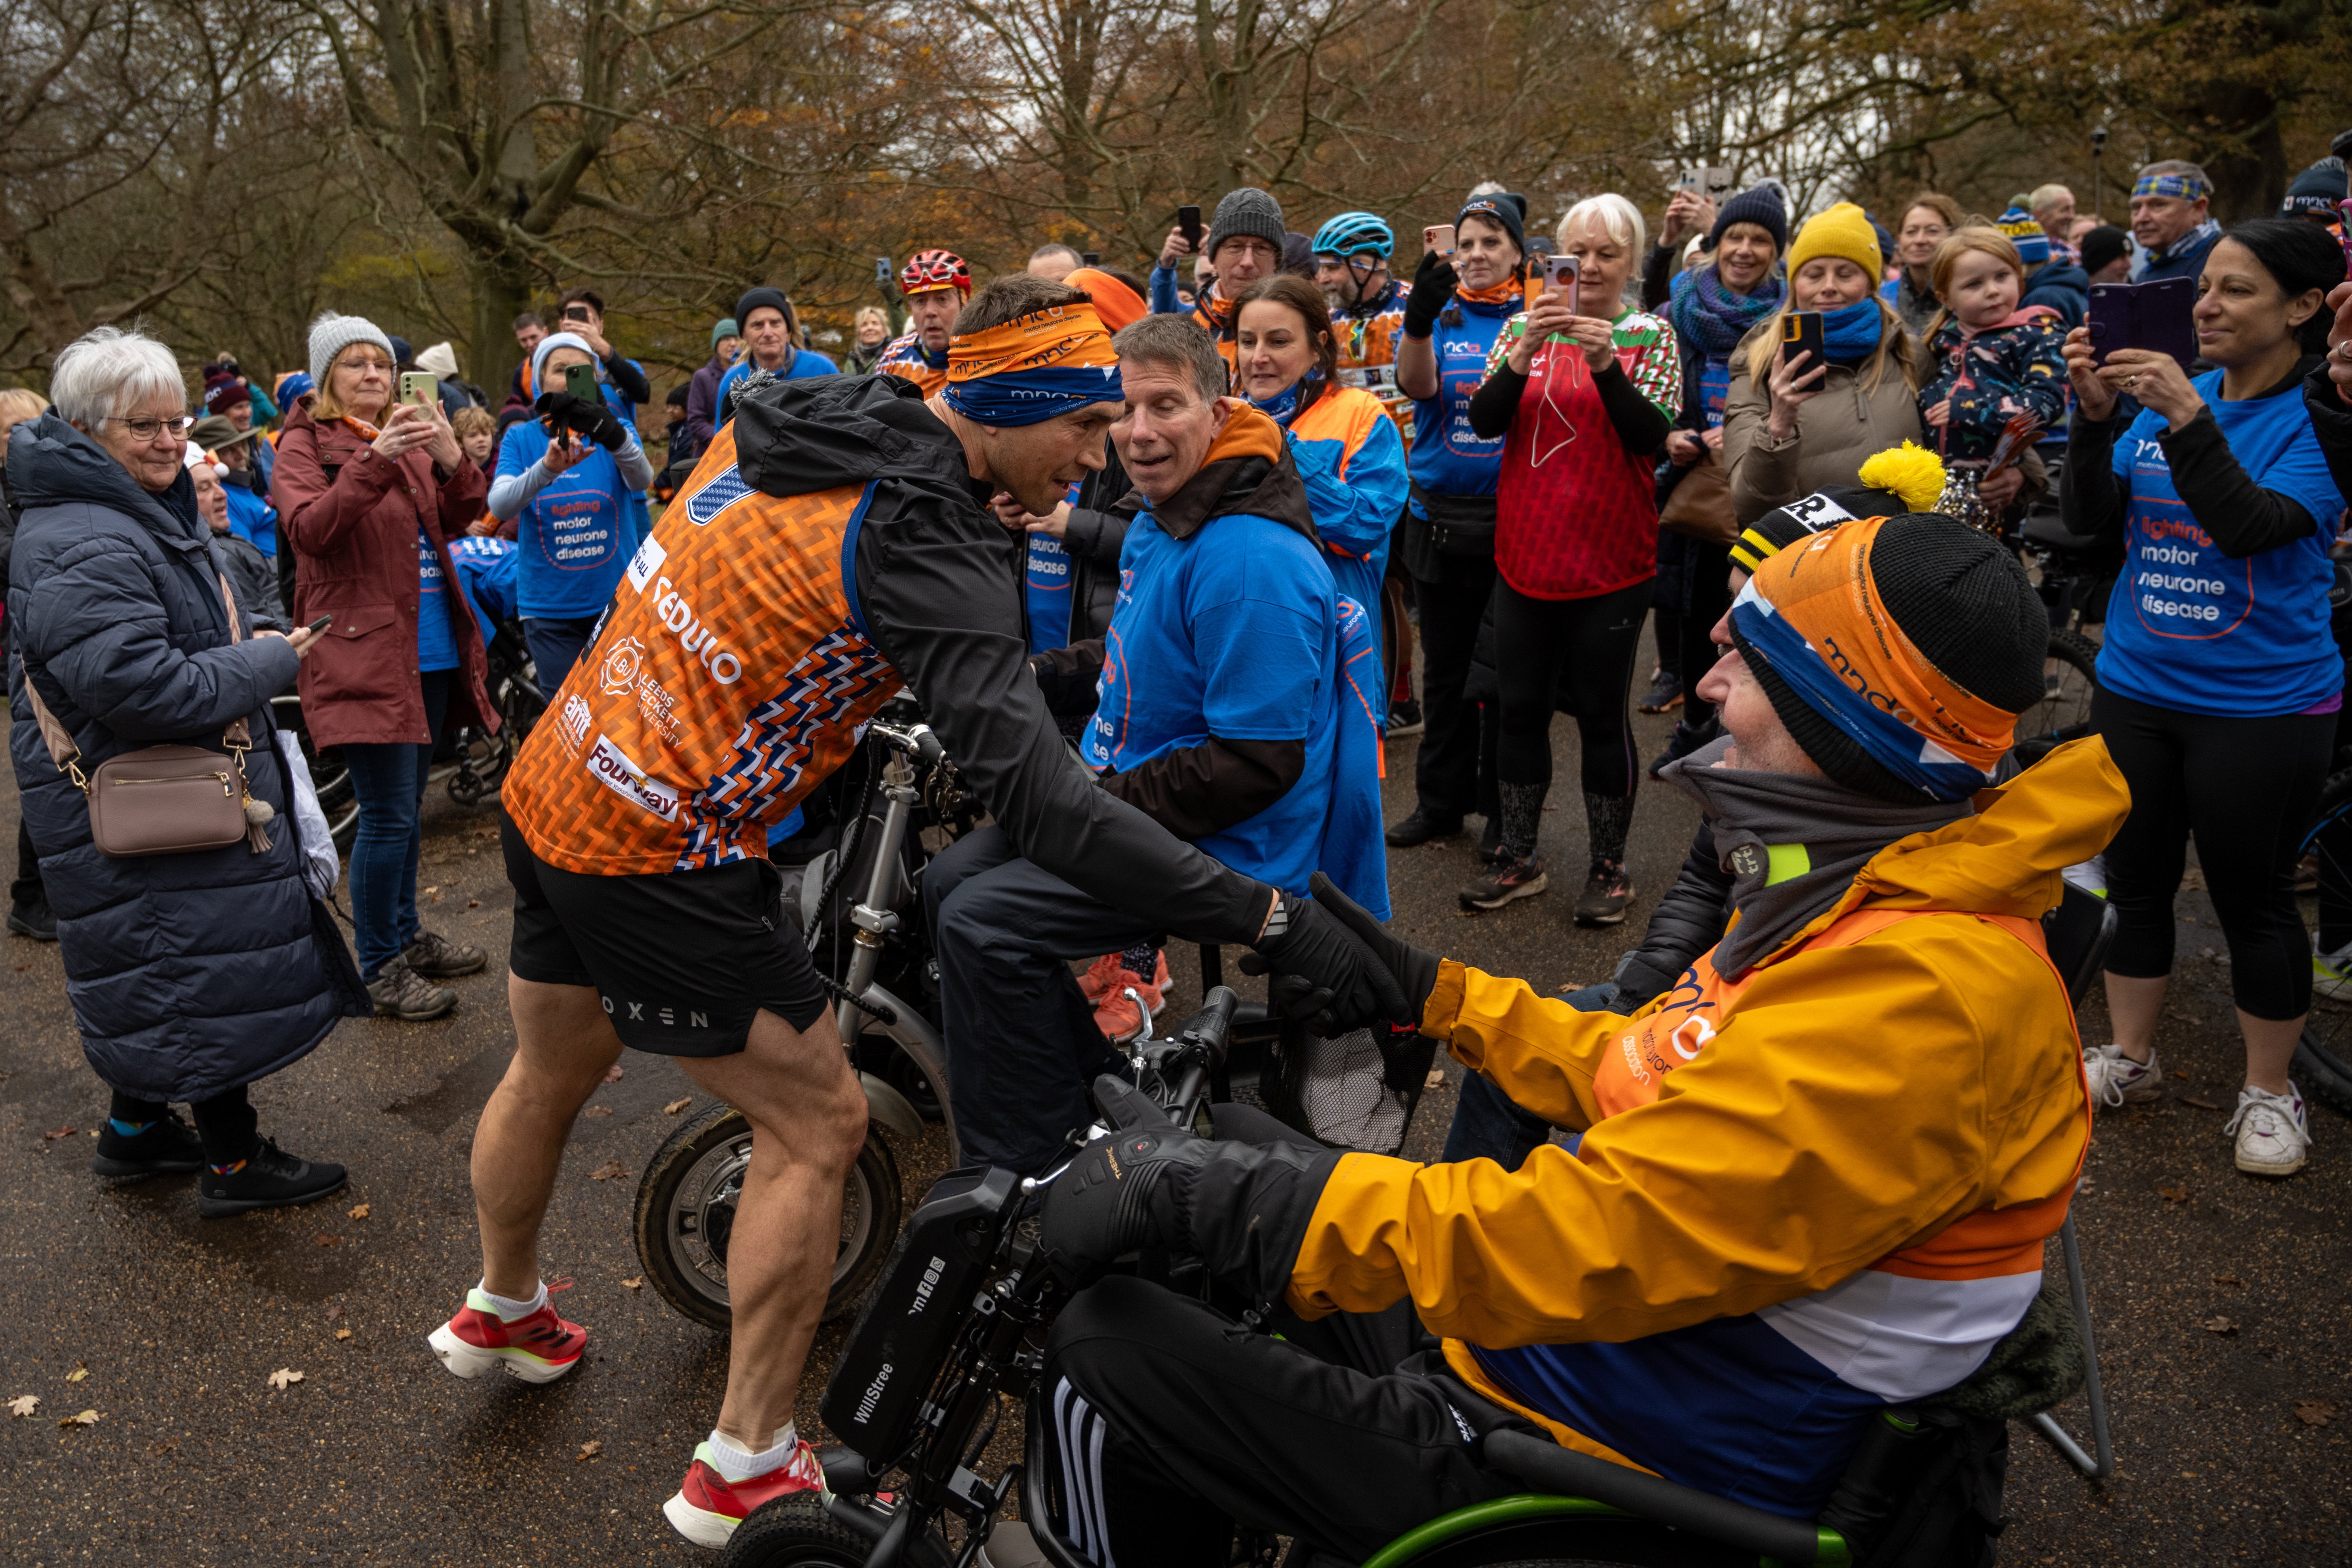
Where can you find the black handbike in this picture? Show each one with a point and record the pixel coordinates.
(958, 1326)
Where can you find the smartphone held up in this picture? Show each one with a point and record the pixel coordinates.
(1801, 334)
(1563, 275)
(1438, 237)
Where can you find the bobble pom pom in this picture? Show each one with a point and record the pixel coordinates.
(1910, 471)
(258, 811)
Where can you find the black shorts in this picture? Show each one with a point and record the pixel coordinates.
(681, 959)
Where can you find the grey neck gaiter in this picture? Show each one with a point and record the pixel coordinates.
(1792, 842)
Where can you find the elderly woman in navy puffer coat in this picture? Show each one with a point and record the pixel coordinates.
(191, 974)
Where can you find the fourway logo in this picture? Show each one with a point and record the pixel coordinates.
(612, 768)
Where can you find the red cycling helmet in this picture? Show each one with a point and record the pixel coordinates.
(932, 269)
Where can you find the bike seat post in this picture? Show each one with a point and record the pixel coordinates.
(873, 916)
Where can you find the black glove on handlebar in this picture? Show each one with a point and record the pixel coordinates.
(1433, 290)
(1242, 1208)
(594, 420)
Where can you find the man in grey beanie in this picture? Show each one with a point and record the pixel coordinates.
(1245, 240)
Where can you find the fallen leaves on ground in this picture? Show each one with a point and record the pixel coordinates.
(598, 1110)
(2173, 1195)
(2227, 1280)
(361, 1211)
(635, 1282)
(284, 1377)
(610, 1170)
(2315, 1412)
(2219, 1325)
(342, 1333)
(80, 1371)
(2200, 1104)
(61, 1132)
(86, 1418)
(589, 1451)
(326, 1240)
(1436, 1080)
(473, 903)
(675, 1106)
(25, 1405)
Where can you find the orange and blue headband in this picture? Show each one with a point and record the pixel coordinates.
(1813, 614)
(1034, 367)
(2187, 186)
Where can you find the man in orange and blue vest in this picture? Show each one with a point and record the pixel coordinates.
(833, 544)
(1814, 1179)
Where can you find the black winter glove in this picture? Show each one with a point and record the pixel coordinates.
(594, 420)
(1396, 991)
(1241, 1208)
(1335, 981)
(1432, 288)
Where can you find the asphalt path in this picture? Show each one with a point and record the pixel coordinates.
(2223, 1304)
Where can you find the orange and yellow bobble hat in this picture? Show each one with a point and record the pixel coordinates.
(1908, 477)
(1897, 650)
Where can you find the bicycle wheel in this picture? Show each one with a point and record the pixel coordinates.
(685, 1210)
(2323, 1059)
(2070, 678)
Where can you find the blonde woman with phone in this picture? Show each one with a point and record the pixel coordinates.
(370, 490)
(1581, 388)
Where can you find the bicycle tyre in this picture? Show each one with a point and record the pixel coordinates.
(685, 1201)
(2064, 714)
(2322, 1056)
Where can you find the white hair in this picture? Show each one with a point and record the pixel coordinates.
(2045, 198)
(107, 370)
(1620, 219)
(1487, 188)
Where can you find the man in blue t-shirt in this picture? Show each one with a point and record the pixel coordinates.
(769, 330)
(1220, 718)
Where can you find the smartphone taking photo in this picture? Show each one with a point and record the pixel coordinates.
(1439, 238)
(420, 387)
(2159, 315)
(1564, 275)
(1801, 334)
(1187, 223)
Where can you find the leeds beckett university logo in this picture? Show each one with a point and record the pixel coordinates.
(618, 674)
(575, 723)
(612, 768)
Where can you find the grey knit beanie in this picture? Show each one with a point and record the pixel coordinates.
(1247, 211)
(331, 334)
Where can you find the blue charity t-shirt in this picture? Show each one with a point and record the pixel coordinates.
(486, 580)
(1232, 633)
(1045, 584)
(1448, 458)
(436, 644)
(576, 535)
(2189, 629)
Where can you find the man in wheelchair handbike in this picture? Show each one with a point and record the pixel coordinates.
(1815, 1178)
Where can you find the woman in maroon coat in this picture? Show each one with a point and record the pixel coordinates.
(368, 494)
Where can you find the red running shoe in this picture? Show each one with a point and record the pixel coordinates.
(708, 1506)
(537, 1349)
(1102, 976)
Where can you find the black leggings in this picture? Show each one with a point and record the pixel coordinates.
(1576, 654)
(1445, 772)
(2246, 788)
(226, 1123)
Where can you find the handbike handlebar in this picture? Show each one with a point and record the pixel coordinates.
(1550, 1468)
(1214, 1021)
(916, 739)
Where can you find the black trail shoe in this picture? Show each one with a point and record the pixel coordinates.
(34, 920)
(1421, 827)
(269, 1178)
(435, 957)
(165, 1148)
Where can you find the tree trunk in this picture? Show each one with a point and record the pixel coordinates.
(500, 286)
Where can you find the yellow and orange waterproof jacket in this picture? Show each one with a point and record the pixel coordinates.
(1800, 1194)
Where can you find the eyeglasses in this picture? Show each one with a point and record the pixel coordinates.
(148, 430)
(364, 362)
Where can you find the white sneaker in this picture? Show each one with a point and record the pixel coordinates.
(2331, 972)
(2116, 1079)
(2272, 1138)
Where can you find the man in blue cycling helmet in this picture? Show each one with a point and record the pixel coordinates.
(1351, 267)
